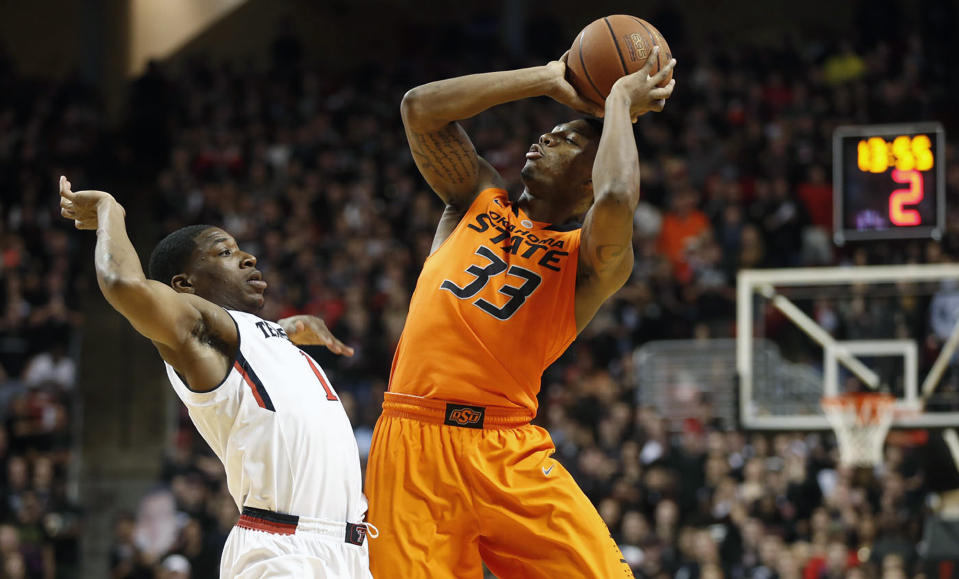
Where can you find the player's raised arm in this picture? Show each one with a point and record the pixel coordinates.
(606, 251)
(441, 148)
(154, 309)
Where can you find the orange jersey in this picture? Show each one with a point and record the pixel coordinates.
(493, 307)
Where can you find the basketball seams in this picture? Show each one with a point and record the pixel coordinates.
(619, 51)
(663, 46)
(582, 63)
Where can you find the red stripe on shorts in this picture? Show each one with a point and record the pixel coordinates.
(257, 524)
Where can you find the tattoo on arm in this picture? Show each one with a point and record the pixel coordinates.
(443, 155)
(606, 257)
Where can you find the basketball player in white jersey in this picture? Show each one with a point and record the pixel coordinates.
(264, 406)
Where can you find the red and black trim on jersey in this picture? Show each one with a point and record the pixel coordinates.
(253, 381)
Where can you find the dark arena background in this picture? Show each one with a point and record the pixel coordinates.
(776, 264)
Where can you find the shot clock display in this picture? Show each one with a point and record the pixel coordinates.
(888, 181)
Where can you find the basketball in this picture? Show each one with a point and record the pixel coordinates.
(609, 48)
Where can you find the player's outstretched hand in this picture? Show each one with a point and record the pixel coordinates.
(642, 88)
(564, 93)
(312, 331)
(81, 206)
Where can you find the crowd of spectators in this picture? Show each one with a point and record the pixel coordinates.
(44, 127)
(311, 173)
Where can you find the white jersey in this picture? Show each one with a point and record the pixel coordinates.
(279, 428)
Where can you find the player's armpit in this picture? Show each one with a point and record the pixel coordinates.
(154, 309)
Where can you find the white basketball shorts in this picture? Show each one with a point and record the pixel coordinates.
(267, 545)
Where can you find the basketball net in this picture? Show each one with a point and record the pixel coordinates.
(861, 421)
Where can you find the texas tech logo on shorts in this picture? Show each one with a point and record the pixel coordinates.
(465, 416)
(355, 533)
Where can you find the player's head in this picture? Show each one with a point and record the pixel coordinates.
(204, 260)
(559, 166)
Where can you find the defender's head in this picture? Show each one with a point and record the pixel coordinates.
(559, 166)
(204, 260)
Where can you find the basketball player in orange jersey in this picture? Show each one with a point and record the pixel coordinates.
(457, 476)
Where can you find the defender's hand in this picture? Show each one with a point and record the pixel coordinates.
(82, 206)
(641, 89)
(564, 93)
(312, 331)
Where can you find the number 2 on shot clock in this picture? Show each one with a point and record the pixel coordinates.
(900, 198)
(888, 181)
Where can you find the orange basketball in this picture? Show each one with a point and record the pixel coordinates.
(610, 48)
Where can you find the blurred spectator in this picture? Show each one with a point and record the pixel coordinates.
(944, 310)
(175, 567)
(52, 367)
(156, 524)
(124, 555)
(682, 227)
(815, 192)
(844, 66)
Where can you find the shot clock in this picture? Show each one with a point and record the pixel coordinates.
(889, 181)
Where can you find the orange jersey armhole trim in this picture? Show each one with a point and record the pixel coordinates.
(470, 211)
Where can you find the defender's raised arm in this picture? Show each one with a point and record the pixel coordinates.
(177, 323)
(153, 308)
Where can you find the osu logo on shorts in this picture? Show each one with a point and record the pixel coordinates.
(465, 416)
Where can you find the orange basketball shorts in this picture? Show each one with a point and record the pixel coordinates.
(453, 486)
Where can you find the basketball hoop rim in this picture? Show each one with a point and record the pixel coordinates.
(880, 404)
(858, 398)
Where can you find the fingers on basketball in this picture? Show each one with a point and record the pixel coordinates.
(651, 62)
(664, 71)
(579, 104)
(588, 108)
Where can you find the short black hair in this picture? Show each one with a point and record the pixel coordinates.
(595, 124)
(171, 256)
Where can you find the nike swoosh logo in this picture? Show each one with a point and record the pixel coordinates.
(546, 471)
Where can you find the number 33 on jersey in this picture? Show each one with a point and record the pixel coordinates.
(497, 299)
